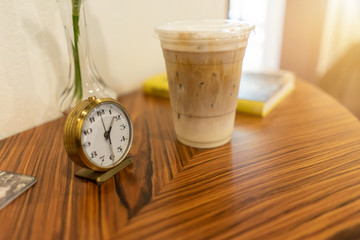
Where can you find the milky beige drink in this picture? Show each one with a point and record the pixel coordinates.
(203, 63)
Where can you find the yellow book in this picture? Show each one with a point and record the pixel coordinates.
(260, 91)
(157, 86)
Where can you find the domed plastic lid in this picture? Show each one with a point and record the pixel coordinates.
(208, 29)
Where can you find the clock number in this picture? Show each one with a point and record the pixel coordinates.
(120, 149)
(122, 126)
(118, 117)
(102, 158)
(93, 154)
(123, 139)
(110, 111)
(87, 144)
(92, 119)
(88, 131)
(101, 112)
(112, 157)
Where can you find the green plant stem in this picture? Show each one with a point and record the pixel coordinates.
(78, 93)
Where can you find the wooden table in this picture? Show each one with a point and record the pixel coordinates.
(294, 174)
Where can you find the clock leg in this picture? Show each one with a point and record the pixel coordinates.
(100, 177)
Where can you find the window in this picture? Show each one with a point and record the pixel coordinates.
(264, 47)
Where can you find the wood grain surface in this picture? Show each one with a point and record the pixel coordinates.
(294, 174)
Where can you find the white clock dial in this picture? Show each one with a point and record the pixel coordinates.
(106, 135)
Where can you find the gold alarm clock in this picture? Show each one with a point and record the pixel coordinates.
(98, 134)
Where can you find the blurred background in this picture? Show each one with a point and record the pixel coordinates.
(319, 40)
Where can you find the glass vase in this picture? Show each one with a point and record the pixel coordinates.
(83, 78)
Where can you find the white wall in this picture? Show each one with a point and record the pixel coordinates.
(127, 49)
(32, 63)
(33, 53)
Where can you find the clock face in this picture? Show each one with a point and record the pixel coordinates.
(106, 135)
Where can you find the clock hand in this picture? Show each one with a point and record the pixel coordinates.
(108, 131)
(106, 135)
(111, 124)
(111, 148)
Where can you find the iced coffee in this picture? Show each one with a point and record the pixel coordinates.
(203, 62)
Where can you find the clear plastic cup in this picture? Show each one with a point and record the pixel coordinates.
(203, 63)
